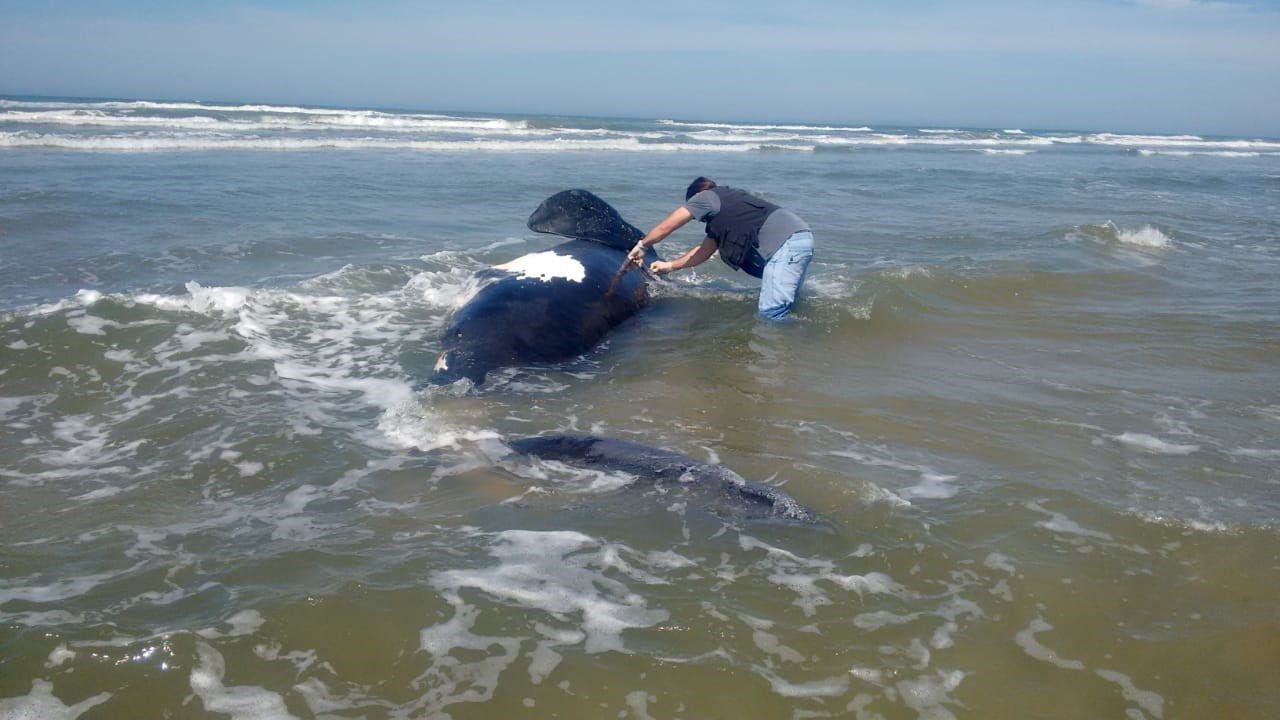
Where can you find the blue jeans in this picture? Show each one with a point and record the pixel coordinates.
(784, 274)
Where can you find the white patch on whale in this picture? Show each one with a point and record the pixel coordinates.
(545, 266)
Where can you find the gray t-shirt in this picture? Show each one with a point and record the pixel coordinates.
(778, 226)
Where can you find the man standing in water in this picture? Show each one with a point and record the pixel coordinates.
(767, 241)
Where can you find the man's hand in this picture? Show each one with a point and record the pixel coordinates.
(635, 258)
(660, 267)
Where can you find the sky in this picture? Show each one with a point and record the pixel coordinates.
(1164, 66)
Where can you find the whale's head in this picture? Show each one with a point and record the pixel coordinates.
(484, 334)
(453, 365)
(469, 351)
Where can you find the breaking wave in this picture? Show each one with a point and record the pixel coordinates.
(145, 126)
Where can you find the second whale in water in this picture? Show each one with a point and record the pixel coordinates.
(726, 488)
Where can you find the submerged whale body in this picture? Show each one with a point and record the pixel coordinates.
(725, 487)
(551, 305)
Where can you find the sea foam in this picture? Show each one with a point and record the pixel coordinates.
(1154, 445)
(1145, 236)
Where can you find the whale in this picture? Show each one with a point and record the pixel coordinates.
(725, 489)
(550, 305)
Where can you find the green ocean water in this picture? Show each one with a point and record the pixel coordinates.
(1031, 390)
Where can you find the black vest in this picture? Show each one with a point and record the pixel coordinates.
(736, 229)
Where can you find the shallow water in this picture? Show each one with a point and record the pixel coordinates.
(1032, 391)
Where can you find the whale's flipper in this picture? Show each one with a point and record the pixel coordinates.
(661, 465)
(581, 214)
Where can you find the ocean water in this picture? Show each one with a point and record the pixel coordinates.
(1033, 390)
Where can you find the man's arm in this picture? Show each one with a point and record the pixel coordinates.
(695, 257)
(674, 222)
